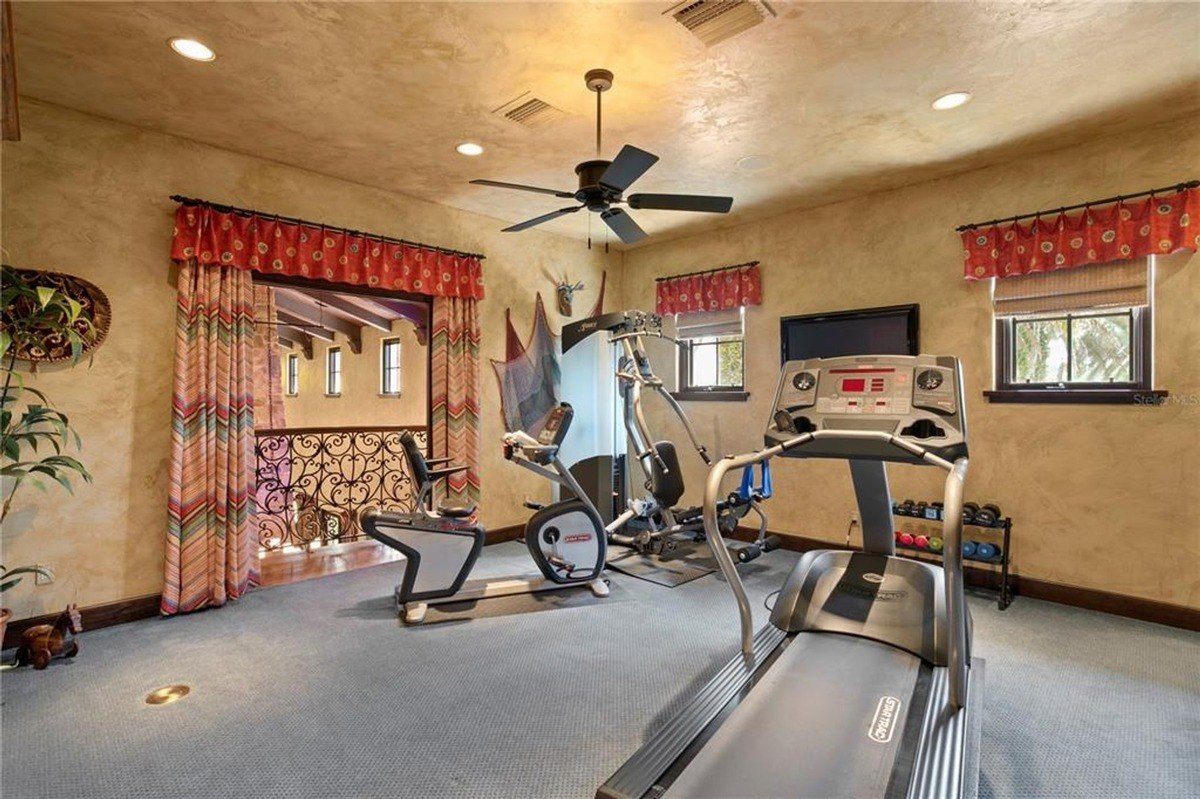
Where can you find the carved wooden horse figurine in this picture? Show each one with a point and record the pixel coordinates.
(44, 642)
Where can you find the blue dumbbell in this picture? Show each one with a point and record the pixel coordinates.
(969, 548)
(987, 551)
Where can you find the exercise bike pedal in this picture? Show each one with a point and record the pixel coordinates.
(771, 543)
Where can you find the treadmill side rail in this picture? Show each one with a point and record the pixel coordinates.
(638, 775)
(947, 761)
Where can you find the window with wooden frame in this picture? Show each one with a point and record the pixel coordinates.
(711, 355)
(292, 379)
(1081, 335)
(389, 367)
(333, 372)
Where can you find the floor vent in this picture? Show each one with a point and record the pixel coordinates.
(713, 21)
(530, 111)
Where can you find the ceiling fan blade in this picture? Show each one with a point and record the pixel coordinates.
(520, 187)
(537, 220)
(681, 202)
(629, 165)
(623, 225)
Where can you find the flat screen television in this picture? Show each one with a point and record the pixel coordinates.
(865, 331)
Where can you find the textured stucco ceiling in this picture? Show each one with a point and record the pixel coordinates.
(834, 96)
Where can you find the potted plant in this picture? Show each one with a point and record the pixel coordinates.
(34, 435)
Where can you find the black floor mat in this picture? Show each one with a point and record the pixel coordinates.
(690, 560)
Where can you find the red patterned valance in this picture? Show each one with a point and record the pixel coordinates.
(1157, 225)
(715, 290)
(274, 246)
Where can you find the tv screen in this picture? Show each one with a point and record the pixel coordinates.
(866, 331)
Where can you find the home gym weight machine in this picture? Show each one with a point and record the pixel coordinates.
(863, 682)
(653, 524)
(565, 539)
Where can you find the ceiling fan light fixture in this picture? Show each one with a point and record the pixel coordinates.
(469, 148)
(191, 49)
(951, 100)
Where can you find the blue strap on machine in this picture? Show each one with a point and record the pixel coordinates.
(747, 490)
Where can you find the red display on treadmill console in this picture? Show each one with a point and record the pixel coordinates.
(853, 385)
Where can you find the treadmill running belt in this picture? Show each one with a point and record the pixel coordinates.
(827, 719)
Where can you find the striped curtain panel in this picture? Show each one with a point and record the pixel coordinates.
(210, 540)
(455, 392)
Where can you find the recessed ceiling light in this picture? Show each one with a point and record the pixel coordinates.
(951, 100)
(470, 148)
(190, 48)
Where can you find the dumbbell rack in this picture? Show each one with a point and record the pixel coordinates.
(1003, 525)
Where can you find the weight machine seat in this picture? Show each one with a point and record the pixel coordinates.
(666, 486)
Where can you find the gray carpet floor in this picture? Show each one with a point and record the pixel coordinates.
(315, 690)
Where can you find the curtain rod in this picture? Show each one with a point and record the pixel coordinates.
(706, 271)
(232, 209)
(1191, 184)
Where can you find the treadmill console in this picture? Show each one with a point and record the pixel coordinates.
(916, 398)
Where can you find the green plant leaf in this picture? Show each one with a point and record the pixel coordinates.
(74, 309)
(5, 342)
(45, 295)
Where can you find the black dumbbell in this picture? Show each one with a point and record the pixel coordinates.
(988, 515)
(934, 511)
(970, 511)
(904, 508)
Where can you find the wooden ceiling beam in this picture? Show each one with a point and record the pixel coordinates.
(298, 305)
(300, 338)
(344, 306)
(311, 328)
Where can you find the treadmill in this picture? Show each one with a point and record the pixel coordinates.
(862, 683)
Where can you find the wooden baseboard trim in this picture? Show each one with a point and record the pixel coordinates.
(1131, 607)
(144, 607)
(498, 535)
(94, 618)
(98, 617)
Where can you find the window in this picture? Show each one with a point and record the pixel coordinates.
(333, 372)
(1077, 335)
(389, 367)
(711, 356)
(293, 376)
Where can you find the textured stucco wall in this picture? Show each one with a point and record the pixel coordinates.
(360, 403)
(1102, 496)
(89, 196)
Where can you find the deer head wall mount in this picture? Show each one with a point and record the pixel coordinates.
(564, 291)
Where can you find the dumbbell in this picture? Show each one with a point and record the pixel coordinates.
(921, 542)
(919, 509)
(905, 508)
(970, 511)
(935, 544)
(905, 539)
(987, 551)
(934, 510)
(969, 549)
(988, 515)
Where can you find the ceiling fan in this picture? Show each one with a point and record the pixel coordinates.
(602, 184)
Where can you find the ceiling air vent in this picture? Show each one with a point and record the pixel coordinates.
(527, 110)
(713, 21)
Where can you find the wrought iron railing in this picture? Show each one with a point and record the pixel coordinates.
(314, 482)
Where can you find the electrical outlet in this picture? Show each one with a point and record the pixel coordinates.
(44, 579)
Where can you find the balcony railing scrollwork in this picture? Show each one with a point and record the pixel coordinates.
(313, 483)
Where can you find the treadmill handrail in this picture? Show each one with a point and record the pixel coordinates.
(951, 526)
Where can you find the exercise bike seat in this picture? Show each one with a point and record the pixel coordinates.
(457, 511)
